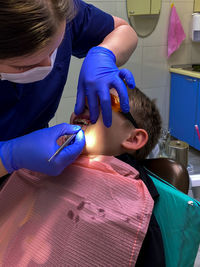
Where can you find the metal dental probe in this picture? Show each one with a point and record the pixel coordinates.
(71, 137)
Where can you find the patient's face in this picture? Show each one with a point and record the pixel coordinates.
(101, 140)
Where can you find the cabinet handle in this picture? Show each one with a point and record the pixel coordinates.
(191, 80)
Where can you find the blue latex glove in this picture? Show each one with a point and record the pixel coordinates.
(98, 75)
(33, 150)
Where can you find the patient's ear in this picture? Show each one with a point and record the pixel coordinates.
(136, 140)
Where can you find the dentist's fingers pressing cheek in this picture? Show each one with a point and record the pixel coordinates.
(93, 105)
(80, 101)
(121, 89)
(126, 75)
(106, 108)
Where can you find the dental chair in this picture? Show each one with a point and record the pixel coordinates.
(169, 170)
(178, 215)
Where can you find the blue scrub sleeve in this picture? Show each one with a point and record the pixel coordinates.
(90, 26)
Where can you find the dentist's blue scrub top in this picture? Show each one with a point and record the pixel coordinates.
(28, 107)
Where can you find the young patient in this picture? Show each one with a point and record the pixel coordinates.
(97, 212)
(136, 136)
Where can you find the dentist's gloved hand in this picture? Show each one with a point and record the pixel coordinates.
(98, 75)
(33, 150)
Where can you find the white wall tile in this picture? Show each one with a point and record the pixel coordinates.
(195, 52)
(155, 71)
(159, 35)
(65, 109)
(72, 80)
(107, 6)
(162, 101)
(121, 10)
(53, 121)
(134, 64)
(181, 56)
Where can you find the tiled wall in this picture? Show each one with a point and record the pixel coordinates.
(149, 63)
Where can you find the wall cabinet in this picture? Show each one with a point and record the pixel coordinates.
(185, 108)
(143, 7)
(196, 6)
(155, 6)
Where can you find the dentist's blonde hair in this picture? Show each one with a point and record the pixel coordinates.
(28, 25)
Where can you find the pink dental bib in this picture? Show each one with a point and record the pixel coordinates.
(96, 213)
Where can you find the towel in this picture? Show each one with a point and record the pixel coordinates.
(96, 213)
(176, 33)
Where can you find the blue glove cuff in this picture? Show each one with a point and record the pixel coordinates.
(5, 152)
(103, 50)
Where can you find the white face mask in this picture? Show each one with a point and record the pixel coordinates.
(32, 75)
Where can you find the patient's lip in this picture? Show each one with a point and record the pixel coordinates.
(82, 120)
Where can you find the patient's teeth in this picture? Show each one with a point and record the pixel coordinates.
(81, 121)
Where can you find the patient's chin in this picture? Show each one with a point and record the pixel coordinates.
(84, 152)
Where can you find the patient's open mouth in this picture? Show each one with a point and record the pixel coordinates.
(82, 120)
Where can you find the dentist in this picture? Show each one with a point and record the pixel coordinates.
(37, 41)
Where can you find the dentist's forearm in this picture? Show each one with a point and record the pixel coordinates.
(2, 170)
(122, 41)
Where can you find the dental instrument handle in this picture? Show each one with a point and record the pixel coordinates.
(71, 137)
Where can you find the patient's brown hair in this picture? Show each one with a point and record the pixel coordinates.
(147, 116)
(28, 25)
